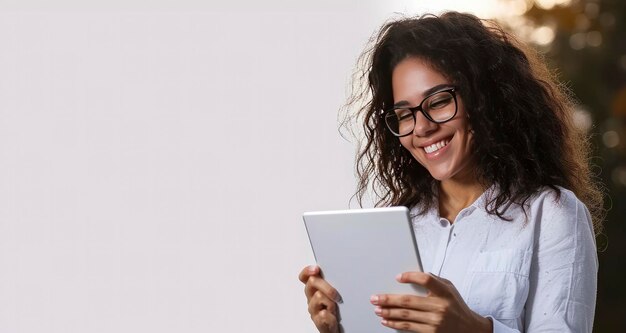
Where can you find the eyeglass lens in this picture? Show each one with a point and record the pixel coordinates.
(439, 107)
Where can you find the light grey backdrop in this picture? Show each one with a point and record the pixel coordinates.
(155, 160)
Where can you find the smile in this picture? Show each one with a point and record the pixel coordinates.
(436, 146)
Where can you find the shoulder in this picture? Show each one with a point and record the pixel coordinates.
(550, 204)
(550, 196)
(560, 220)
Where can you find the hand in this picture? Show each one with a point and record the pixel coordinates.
(441, 310)
(321, 298)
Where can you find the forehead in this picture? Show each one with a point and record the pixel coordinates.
(412, 77)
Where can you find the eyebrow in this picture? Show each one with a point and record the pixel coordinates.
(428, 92)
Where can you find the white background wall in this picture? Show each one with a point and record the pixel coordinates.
(155, 159)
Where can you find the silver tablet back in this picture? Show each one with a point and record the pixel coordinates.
(360, 252)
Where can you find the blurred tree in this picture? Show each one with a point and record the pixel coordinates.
(585, 42)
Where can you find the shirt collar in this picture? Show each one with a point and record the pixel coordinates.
(432, 213)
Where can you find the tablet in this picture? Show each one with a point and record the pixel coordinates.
(360, 252)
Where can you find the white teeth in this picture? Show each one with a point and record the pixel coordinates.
(436, 146)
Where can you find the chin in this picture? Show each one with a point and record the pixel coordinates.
(440, 177)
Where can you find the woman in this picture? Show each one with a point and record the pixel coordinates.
(465, 126)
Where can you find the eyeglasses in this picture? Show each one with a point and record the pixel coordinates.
(437, 107)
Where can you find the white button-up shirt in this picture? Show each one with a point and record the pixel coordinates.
(528, 275)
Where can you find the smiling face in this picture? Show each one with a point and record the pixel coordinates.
(443, 149)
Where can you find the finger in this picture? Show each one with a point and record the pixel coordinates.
(437, 286)
(307, 271)
(326, 322)
(407, 326)
(316, 283)
(402, 314)
(407, 302)
(319, 302)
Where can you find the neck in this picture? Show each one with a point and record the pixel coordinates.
(458, 193)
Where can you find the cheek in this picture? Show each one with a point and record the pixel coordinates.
(406, 144)
(403, 142)
(406, 141)
(469, 138)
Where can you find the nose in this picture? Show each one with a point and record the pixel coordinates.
(423, 126)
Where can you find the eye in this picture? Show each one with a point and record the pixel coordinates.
(438, 102)
(403, 114)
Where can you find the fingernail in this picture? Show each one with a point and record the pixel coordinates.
(374, 299)
(312, 269)
(338, 298)
(378, 310)
(399, 277)
(384, 322)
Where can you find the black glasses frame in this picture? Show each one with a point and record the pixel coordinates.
(391, 112)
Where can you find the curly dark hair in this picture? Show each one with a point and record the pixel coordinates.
(524, 136)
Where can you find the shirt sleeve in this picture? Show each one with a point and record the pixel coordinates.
(563, 273)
